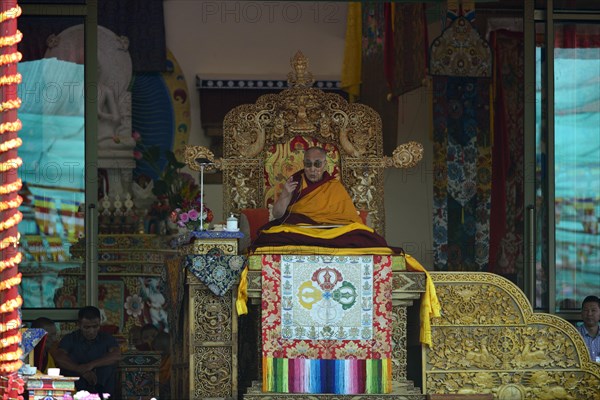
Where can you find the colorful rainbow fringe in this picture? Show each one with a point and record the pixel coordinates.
(300, 375)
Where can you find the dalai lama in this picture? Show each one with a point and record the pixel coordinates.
(315, 215)
(314, 209)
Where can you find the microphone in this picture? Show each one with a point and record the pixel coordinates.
(203, 161)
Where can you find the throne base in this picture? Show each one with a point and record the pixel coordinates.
(406, 392)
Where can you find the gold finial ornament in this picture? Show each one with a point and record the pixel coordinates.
(192, 153)
(300, 76)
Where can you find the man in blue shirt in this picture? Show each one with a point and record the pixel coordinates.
(90, 354)
(589, 328)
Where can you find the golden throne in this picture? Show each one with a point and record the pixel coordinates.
(264, 143)
(488, 343)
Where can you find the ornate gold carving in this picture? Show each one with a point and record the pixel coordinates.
(406, 155)
(212, 334)
(300, 76)
(464, 305)
(192, 153)
(250, 130)
(488, 340)
(245, 189)
(213, 373)
(213, 316)
(399, 344)
(408, 282)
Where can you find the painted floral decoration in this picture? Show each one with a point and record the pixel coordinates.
(134, 305)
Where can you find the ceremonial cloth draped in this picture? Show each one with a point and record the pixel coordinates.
(326, 324)
(218, 271)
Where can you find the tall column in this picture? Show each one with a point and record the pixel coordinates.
(10, 278)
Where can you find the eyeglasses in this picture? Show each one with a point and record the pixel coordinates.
(316, 163)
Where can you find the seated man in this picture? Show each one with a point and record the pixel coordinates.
(589, 328)
(90, 354)
(44, 354)
(313, 199)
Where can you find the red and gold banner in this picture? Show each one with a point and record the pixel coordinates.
(326, 324)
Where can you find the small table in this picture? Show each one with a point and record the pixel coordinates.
(45, 387)
(139, 375)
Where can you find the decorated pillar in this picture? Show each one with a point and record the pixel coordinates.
(11, 386)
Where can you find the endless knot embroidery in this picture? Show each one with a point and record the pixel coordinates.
(333, 301)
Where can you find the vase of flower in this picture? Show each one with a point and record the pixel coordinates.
(191, 218)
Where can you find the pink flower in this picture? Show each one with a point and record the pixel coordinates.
(136, 136)
(137, 154)
(184, 217)
(193, 214)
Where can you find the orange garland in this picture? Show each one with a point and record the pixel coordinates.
(10, 222)
(12, 143)
(11, 13)
(11, 80)
(11, 305)
(11, 384)
(10, 126)
(11, 187)
(8, 241)
(11, 262)
(11, 40)
(8, 204)
(11, 164)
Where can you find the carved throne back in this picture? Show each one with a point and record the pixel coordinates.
(264, 143)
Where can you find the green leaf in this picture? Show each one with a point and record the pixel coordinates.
(160, 187)
(172, 160)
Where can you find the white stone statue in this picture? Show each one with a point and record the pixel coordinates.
(115, 144)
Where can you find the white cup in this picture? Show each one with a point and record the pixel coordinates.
(232, 223)
(54, 371)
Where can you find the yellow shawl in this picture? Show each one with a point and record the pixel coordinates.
(327, 204)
